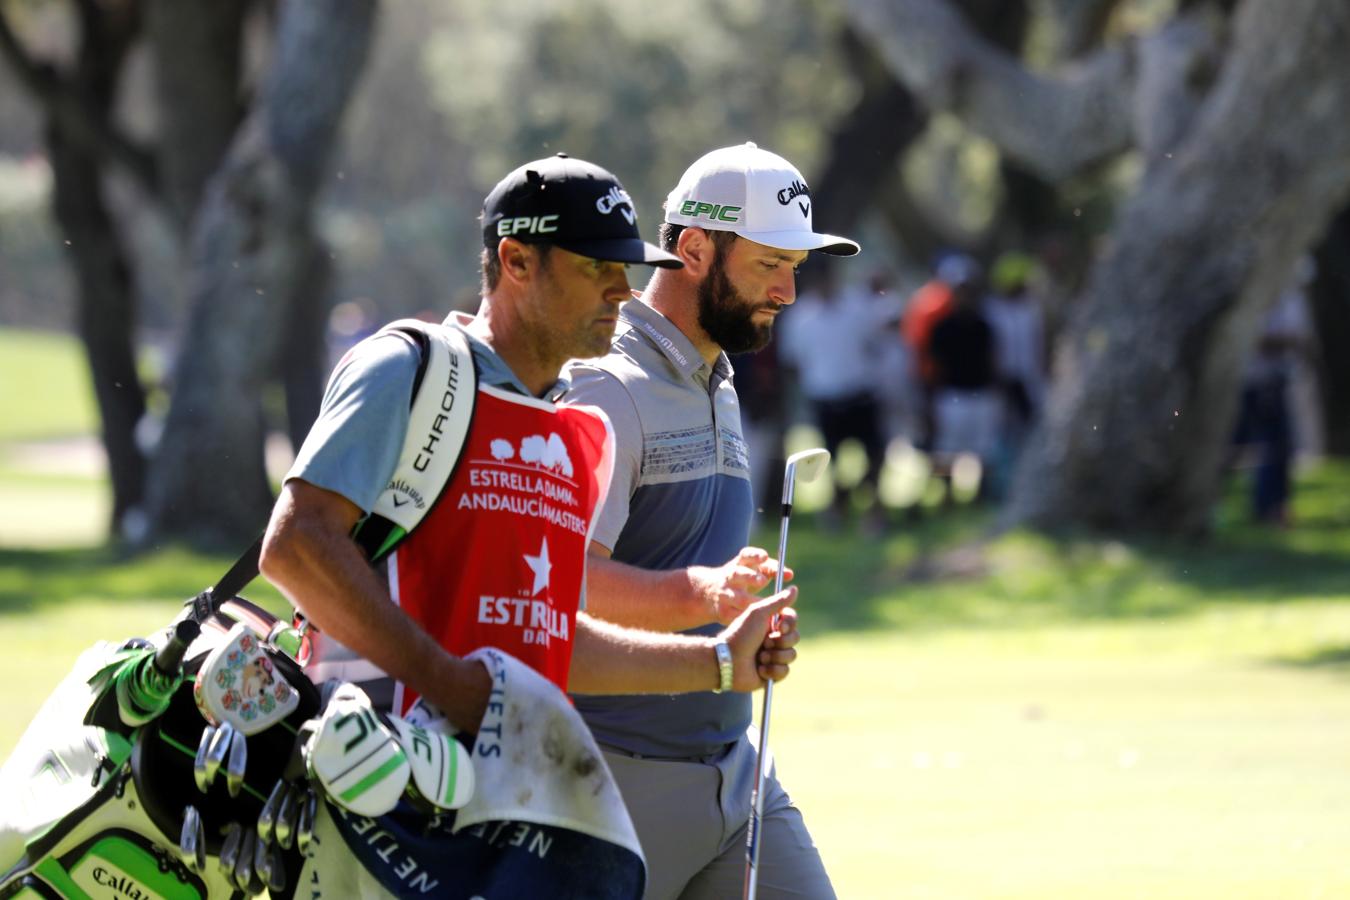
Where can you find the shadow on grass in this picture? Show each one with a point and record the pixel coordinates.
(1334, 658)
(939, 571)
(942, 571)
(32, 580)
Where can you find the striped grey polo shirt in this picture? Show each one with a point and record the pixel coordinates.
(680, 497)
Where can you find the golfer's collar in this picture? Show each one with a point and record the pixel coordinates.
(667, 338)
(493, 370)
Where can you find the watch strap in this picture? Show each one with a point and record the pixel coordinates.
(725, 670)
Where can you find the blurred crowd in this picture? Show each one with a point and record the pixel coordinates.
(953, 376)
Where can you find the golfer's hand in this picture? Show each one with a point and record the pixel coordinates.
(760, 651)
(729, 589)
(462, 694)
(776, 654)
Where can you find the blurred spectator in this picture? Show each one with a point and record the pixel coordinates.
(966, 399)
(1266, 420)
(897, 400)
(832, 338)
(1015, 316)
(928, 306)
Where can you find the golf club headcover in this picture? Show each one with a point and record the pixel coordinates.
(442, 770)
(238, 683)
(356, 757)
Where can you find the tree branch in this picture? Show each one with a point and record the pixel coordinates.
(1052, 126)
(1078, 25)
(67, 111)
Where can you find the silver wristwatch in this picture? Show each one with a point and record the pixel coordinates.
(724, 667)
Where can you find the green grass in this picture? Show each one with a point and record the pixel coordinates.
(45, 385)
(1028, 719)
(1016, 718)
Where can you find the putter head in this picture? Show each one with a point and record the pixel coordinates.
(804, 466)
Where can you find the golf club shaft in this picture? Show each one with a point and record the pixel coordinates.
(761, 766)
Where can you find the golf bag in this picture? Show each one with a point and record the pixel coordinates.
(98, 807)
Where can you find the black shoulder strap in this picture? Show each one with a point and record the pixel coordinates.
(244, 570)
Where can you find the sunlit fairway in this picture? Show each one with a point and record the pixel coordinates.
(1015, 719)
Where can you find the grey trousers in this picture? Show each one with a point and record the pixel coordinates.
(692, 817)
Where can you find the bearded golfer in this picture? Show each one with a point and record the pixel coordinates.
(680, 500)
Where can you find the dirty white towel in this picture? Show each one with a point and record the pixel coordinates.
(535, 760)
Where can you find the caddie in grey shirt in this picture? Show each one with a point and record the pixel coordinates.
(668, 554)
(680, 497)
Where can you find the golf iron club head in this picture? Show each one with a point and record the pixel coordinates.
(236, 763)
(267, 818)
(220, 748)
(199, 764)
(804, 466)
(192, 841)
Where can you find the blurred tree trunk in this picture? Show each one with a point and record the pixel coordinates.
(304, 364)
(1246, 157)
(1330, 296)
(253, 246)
(197, 49)
(1147, 379)
(81, 141)
(864, 150)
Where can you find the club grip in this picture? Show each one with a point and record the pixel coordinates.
(169, 660)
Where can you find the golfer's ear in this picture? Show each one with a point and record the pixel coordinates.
(696, 248)
(515, 259)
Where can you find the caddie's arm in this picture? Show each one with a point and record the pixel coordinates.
(309, 555)
(676, 599)
(612, 659)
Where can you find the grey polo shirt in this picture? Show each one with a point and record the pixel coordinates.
(680, 497)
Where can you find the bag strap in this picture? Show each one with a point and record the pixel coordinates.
(244, 570)
(438, 425)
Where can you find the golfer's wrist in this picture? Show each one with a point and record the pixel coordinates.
(691, 591)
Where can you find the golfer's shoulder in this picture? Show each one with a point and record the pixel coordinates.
(629, 365)
(385, 362)
(598, 382)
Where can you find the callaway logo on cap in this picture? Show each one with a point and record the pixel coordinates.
(755, 194)
(571, 204)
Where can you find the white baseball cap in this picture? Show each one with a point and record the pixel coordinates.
(755, 194)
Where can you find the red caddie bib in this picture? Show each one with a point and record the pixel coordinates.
(500, 560)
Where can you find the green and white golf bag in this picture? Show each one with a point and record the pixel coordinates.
(105, 795)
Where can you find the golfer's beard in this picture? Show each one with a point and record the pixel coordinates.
(726, 316)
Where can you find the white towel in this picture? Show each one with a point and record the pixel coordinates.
(535, 760)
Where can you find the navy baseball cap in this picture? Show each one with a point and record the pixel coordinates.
(571, 204)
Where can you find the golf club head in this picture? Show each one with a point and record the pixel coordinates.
(220, 748)
(304, 828)
(804, 466)
(236, 763)
(192, 841)
(199, 764)
(243, 876)
(269, 867)
(267, 819)
(229, 851)
(284, 827)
